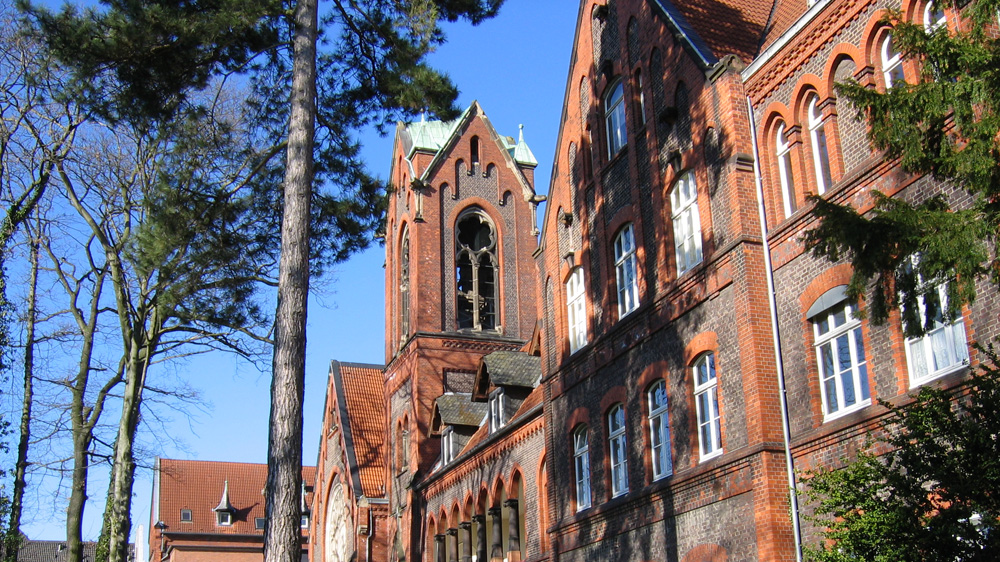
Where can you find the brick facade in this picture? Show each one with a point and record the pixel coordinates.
(678, 200)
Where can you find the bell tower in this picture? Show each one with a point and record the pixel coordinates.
(460, 282)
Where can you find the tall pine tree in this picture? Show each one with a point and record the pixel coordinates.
(145, 57)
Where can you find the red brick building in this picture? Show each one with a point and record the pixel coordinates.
(689, 355)
(203, 511)
(445, 440)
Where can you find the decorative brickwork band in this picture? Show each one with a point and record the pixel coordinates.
(466, 528)
(480, 521)
(496, 549)
(513, 531)
(439, 548)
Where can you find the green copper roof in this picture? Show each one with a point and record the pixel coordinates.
(430, 135)
(522, 154)
(433, 135)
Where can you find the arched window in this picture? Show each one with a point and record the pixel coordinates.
(943, 348)
(934, 17)
(817, 136)
(576, 310)
(581, 462)
(640, 98)
(659, 430)
(892, 63)
(404, 287)
(619, 452)
(626, 267)
(474, 151)
(614, 117)
(475, 241)
(687, 223)
(783, 151)
(840, 352)
(706, 398)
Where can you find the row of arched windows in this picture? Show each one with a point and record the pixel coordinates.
(616, 432)
(801, 144)
(687, 254)
(490, 526)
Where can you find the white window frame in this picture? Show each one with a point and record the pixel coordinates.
(820, 149)
(783, 152)
(187, 516)
(706, 399)
(659, 430)
(934, 18)
(838, 335)
(447, 444)
(687, 223)
(496, 405)
(581, 463)
(614, 118)
(892, 63)
(944, 348)
(618, 448)
(626, 271)
(223, 518)
(259, 523)
(576, 310)
(304, 521)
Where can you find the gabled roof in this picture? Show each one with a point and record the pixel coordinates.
(439, 137)
(716, 28)
(457, 409)
(196, 485)
(53, 551)
(362, 419)
(506, 368)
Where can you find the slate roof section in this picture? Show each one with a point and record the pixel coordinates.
(457, 409)
(507, 368)
(197, 485)
(362, 414)
(53, 551)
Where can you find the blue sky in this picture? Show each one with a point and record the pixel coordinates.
(515, 66)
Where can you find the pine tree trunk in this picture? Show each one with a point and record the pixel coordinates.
(284, 457)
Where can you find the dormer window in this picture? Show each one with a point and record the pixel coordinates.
(259, 523)
(497, 418)
(224, 511)
(186, 516)
(476, 283)
(304, 523)
(447, 445)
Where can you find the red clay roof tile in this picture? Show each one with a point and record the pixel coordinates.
(198, 485)
(365, 403)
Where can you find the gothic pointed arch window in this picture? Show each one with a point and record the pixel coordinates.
(476, 265)
(404, 286)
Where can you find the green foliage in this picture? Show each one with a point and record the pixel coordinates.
(932, 496)
(942, 123)
(136, 59)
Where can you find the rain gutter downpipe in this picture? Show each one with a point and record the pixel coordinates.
(776, 335)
